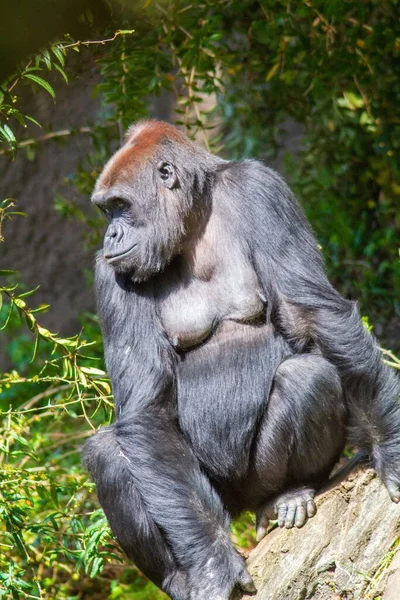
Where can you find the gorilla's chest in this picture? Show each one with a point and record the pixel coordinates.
(191, 309)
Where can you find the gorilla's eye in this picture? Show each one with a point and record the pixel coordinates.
(165, 170)
(119, 205)
(167, 174)
(116, 206)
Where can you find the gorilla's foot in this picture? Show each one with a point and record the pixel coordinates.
(218, 583)
(293, 509)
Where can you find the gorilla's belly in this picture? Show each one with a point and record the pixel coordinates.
(219, 386)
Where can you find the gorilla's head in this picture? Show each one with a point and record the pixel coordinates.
(151, 191)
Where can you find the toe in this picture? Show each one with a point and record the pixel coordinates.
(261, 532)
(262, 521)
(301, 513)
(282, 511)
(394, 491)
(291, 514)
(246, 582)
(311, 508)
(248, 588)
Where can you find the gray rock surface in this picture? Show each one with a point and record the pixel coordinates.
(348, 550)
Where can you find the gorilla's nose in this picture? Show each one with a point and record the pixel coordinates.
(113, 235)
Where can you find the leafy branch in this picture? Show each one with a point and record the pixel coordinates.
(32, 72)
(55, 135)
(65, 367)
(392, 360)
(77, 44)
(6, 212)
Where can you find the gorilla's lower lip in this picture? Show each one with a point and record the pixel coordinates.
(112, 257)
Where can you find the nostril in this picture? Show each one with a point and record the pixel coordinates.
(112, 234)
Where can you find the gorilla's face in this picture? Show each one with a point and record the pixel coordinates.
(148, 193)
(146, 220)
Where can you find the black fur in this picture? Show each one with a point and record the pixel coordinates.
(238, 371)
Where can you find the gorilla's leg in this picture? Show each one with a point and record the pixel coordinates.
(301, 437)
(135, 530)
(205, 571)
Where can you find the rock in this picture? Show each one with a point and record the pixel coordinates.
(348, 550)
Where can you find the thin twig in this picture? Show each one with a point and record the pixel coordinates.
(50, 392)
(105, 41)
(19, 77)
(364, 96)
(55, 134)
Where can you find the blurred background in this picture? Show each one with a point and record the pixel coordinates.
(310, 87)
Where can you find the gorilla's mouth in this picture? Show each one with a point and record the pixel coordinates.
(113, 257)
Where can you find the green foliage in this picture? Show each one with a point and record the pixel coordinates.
(45, 61)
(244, 532)
(334, 67)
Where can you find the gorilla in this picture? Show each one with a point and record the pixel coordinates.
(238, 371)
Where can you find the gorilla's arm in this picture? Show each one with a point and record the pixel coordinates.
(309, 310)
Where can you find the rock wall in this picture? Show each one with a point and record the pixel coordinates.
(44, 247)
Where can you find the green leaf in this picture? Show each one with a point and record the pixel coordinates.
(96, 567)
(5, 272)
(17, 115)
(67, 342)
(45, 333)
(8, 317)
(353, 101)
(105, 386)
(59, 54)
(62, 73)
(30, 69)
(9, 135)
(33, 121)
(30, 321)
(47, 59)
(83, 379)
(93, 371)
(54, 495)
(42, 83)
(30, 292)
(40, 309)
(19, 303)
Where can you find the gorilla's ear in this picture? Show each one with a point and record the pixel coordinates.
(167, 174)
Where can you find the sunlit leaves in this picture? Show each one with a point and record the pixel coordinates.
(44, 495)
(40, 81)
(32, 72)
(45, 522)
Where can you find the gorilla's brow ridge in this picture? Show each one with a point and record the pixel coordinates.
(142, 142)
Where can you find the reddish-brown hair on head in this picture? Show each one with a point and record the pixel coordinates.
(141, 142)
(152, 132)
